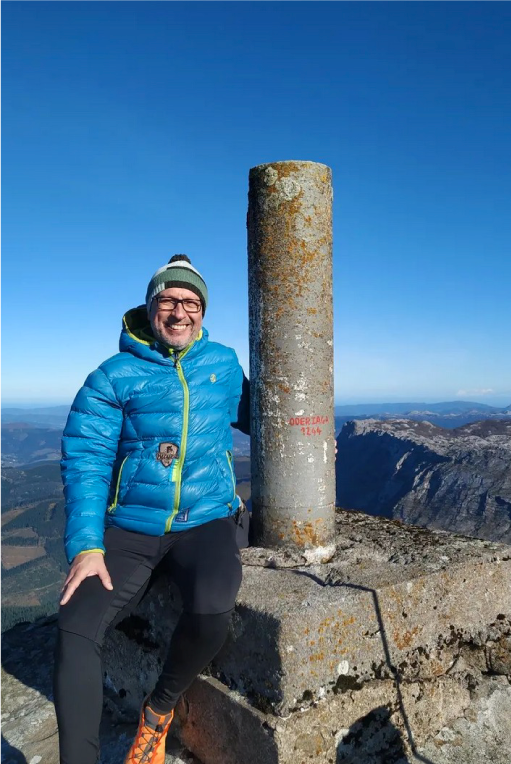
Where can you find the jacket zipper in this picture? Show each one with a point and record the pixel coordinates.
(229, 459)
(178, 469)
(113, 505)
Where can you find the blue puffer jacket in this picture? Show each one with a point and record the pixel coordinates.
(140, 398)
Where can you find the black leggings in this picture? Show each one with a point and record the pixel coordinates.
(203, 562)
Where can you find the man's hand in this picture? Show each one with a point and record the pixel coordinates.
(83, 566)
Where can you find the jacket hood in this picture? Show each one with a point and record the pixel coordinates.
(138, 339)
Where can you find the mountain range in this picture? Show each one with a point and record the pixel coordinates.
(33, 561)
(45, 416)
(449, 414)
(25, 443)
(454, 480)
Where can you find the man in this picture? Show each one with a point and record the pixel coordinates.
(148, 478)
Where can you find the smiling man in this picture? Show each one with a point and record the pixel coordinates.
(176, 312)
(148, 478)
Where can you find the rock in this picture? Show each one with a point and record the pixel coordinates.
(457, 480)
(396, 651)
(480, 736)
(29, 726)
(363, 659)
(499, 656)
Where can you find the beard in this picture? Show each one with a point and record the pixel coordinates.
(175, 343)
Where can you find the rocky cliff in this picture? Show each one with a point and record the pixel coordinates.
(457, 480)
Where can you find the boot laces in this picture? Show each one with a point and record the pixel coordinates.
(147, 742)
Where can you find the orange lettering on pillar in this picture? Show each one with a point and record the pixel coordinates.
(308, 424)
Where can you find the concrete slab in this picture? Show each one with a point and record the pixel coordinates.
(381, 723)
(409, 603)
(403, 640)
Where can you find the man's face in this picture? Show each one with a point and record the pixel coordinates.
(175, 328)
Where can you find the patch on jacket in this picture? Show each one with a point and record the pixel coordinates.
(167, 452)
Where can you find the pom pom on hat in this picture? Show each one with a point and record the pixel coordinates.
(179, 272)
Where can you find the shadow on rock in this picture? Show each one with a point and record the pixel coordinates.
(11, 755)
(373, 739)
(29, 724)
(394, 673)
(28, 720)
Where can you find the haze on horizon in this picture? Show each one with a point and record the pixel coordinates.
(128, 133)
(493, 401)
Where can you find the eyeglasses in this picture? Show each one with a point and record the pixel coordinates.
(171, 303)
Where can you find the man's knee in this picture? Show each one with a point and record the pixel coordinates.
(84, 614)
(203, 631)
(206, 625)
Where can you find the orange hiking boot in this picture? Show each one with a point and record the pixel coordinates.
(149, 745)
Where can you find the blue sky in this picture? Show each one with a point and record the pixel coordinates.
(128, 133)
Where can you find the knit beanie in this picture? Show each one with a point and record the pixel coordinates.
(179, 272)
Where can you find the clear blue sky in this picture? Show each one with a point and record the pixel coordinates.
(129, 129)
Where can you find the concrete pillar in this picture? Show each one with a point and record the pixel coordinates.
(291, 356)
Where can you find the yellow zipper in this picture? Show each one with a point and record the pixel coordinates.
(233, 478)
(178, 469)
(113, 505)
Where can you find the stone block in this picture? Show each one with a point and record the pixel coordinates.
(220, 727)
(301, 633)
(366, 658)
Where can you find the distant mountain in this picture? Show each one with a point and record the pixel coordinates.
(455, 480)
(23, 486)
(393, 409)
(33, 560)
(450, 414)
(49, 416)
(24, 443)
(240, 443)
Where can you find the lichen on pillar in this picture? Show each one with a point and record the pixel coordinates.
(291, 356)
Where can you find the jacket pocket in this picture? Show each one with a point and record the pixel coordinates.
(230, 461)
(226, 487)
(113, 506)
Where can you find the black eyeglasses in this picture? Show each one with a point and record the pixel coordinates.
(171, 303)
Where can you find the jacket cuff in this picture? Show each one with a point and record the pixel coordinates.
(89, 551)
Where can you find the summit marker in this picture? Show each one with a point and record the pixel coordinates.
(291, 356)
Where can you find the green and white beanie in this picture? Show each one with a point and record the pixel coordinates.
(179, 272)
